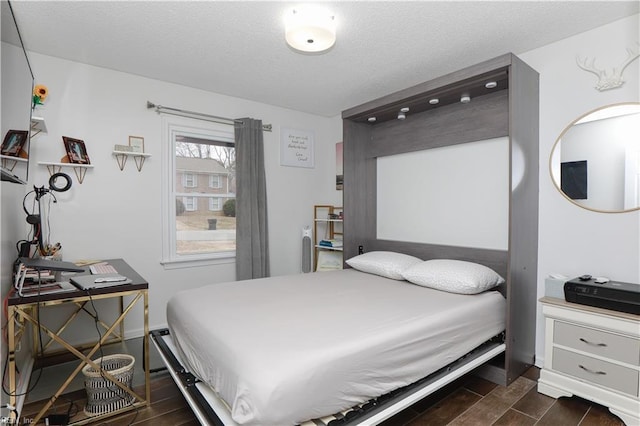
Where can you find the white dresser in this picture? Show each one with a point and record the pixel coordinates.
(593, 353)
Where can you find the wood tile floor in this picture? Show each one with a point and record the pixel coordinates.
(468, 401)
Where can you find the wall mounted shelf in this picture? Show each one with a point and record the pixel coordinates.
(79, 169)
(138, 157)
(38, 126)
(9, 162)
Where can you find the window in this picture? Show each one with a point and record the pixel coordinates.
(190, 203)
(189, 180)
(215, 204)
(194, 226)
(215, 181)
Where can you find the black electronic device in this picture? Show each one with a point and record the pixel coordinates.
(614, 295)
(52, 265)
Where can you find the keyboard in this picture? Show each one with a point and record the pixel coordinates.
(102, 268)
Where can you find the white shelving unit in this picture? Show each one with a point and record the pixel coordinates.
(327, 225)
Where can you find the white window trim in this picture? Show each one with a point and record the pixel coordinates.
(219, 180)
(220, 204)
(185, 181)
(195, 204)
(170, 126)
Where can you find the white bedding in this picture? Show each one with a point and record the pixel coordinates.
(283, 350)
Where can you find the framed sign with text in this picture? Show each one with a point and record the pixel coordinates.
(296, 148)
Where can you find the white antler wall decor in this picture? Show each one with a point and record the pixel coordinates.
(609, 80)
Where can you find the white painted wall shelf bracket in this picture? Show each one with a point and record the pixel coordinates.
(79, 169)
(138, 157)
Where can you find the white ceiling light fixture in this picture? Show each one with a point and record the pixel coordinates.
(310, 29)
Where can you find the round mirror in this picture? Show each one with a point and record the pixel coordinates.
(595, 163)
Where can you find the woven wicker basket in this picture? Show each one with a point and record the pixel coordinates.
(103, 396)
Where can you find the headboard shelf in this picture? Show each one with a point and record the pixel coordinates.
(510, 111)
(447, 89)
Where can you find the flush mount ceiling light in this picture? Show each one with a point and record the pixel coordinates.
(310, 29)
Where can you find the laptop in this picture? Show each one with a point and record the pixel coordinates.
(90, 282)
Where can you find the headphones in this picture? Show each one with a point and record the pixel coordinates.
(34, 219)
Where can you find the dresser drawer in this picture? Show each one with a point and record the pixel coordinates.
(596, 371)
(607, 345)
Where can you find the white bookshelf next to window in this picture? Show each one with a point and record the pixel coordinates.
(327, 225)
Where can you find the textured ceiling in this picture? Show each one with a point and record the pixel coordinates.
(238, 48)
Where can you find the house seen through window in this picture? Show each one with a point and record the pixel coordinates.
(205, 190)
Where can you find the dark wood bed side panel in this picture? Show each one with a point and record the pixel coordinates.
(523, 239)
(360, 186)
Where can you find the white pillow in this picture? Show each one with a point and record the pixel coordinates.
(454, 276)
(387, 264)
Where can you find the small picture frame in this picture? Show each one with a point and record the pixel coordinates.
(76, 150)
(136, 143)
(13, 142)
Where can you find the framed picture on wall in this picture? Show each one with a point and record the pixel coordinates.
(136, 143)
(13, 142)
(76, 150)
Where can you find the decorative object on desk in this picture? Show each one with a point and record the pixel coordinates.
(136, 143)
(104, 396)
(123, 148)
(40, 93)
(13, 142)
(51, 251)
(76, 150)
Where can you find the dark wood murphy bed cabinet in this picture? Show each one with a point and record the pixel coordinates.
(508, 110)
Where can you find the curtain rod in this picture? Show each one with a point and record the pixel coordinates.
(199, 115)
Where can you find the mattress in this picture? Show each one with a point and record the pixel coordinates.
(283, 350)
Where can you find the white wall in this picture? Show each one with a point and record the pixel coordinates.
(117, 213)
(574, 241)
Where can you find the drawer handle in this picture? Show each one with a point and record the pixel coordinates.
(603, 345)
(603, 373)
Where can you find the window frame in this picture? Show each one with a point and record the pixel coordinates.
(187, 177)
(171, 127)
(219, 204)
(218, 177)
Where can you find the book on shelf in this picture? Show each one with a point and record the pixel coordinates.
(330, 243)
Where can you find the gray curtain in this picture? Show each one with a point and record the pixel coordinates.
(252, 242)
